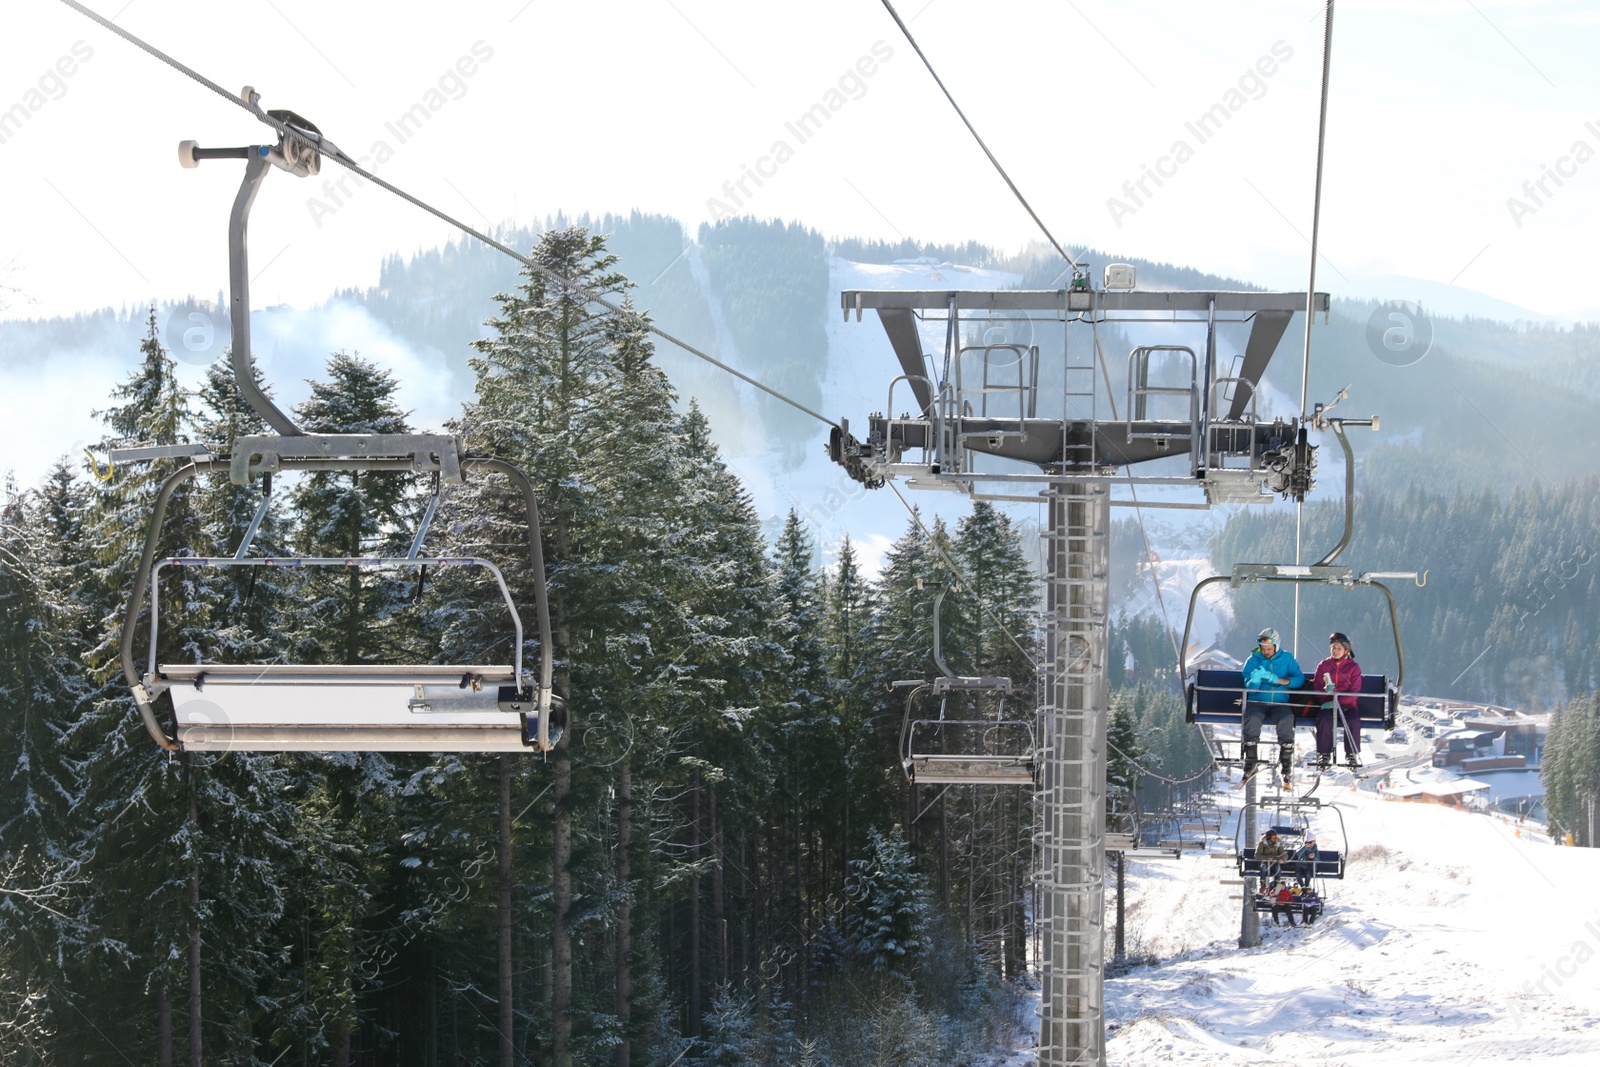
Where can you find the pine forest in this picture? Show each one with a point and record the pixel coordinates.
(722, 863)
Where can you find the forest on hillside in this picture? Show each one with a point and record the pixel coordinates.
(1469, 415)
(722, 862)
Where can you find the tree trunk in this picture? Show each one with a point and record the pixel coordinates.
(561, 825)
(719, 915)
(1016, 887)
(944, 851)
(747, 918)
(507, 1047)
(623, 996)
(694, 909)
(196, 1048)
(164, 1027)
(561, 900)
(1121, 949)
(430, 1039)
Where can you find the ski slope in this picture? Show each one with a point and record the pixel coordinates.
(1453, 940)
(1177, 579)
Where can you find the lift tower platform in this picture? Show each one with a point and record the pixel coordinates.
(983, 417)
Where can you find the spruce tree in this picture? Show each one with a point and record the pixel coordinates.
(41, 690)
(135, 811)
(347, 833)
(893, 912)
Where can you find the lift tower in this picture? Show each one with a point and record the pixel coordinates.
(982, 421)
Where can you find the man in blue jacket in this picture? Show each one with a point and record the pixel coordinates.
(1269, 674)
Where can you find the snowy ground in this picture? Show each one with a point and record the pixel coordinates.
(1453, 940)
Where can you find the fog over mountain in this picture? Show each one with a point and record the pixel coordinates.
(763, 297)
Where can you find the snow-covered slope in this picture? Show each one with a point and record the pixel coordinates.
(1177, 579)
(1457, 938)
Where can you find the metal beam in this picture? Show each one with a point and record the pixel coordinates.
(1265, 333)
(901, 326)
(1062, 300)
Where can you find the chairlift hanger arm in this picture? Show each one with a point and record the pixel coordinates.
(1338, 425)
(240, 355)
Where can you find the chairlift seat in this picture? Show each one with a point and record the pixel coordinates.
(1218, 696)
(963, 749)
(1309, 907)
(1329, 864)
(319, 708)
(286, 707)
(967, 769)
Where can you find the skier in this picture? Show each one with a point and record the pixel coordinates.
(1269, 674)
(1282, 904)
(1310, 906)
(1338, 674)
(1270, 854)
(1304, 859)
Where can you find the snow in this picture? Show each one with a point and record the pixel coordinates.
(1457, 938)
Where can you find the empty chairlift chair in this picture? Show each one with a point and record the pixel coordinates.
(417, 707)
(963, 744)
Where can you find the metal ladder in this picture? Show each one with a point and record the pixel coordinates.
(1072, 777)
(1079, 392)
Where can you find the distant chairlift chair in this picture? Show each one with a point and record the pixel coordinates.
(961, 746)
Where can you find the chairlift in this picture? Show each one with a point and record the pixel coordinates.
(1218, 696)
(427, 707)
(1294, 819)
(961, 746)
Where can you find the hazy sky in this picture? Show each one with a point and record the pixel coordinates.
(1440, 112)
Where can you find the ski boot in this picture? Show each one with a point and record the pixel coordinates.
(1251, 763)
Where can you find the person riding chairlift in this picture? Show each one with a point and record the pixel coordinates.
(1304, 862)
(1269, 674)
(1282, 904)
(1340, 674)
(1270, 854)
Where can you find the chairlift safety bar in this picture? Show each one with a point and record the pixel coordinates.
(289, 563)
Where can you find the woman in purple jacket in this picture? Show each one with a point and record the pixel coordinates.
(1339, 674)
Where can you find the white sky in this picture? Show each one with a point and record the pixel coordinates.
(1440, 110)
